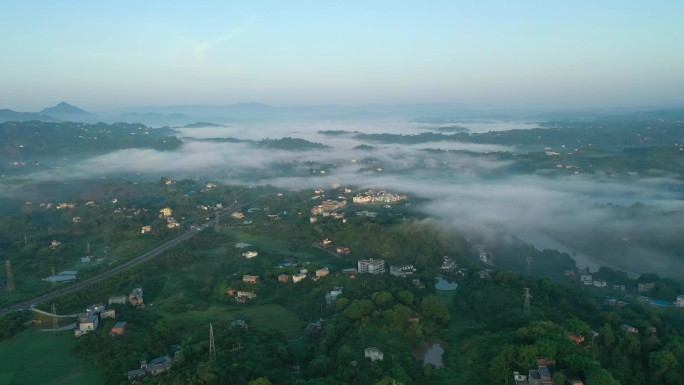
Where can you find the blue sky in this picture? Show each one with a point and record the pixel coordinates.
(521, 54)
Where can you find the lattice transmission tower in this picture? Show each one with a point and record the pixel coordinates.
(528, 306)
(212, 344)
(10, 278)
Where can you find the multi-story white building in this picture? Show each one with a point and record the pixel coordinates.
(371, 266)
(680, 301)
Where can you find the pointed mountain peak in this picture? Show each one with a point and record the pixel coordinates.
(63, 108)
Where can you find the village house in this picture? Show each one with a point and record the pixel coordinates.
(486, 258)
(586, 279)
(240, 323)
(629, 329)
(86, 324)
(540, 376)
(237, 215)
(118, 300)
(76, 219)
(146, 229)
(136, 297)
(371, 266)
(322, 272)
(246, 294)
(283, 278)
(171, 223)
(402, 271)
(333, 294)
(373, 353)
(250, 254)
(165, 212)
(576, 338)
(314, 328)
(109, 313)
(55, 244)
(448, 264)
(155, 367)
(645, 286)
(680, 301)
(343, 250)
(95, 309)
(600, 283)
(298, 277)
(350, 272)
(250, 278)
(118, 329)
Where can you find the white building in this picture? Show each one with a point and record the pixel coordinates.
(371, 266)
(373, 353)
(680, 301)
(250, 254)
(87, 324)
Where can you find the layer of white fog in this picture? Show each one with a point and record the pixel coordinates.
(465, 189)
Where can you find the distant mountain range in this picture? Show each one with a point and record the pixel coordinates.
(191, 115)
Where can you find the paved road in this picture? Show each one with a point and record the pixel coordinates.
(53, 315)
(119, 268)
(334, 254)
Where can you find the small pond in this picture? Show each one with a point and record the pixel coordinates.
(433, 355)
(443, 284)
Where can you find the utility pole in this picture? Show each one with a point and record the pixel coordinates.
(54, 282)
(212, 345)
(10, 279)
(529, 264)
(55, 320)
(217, 221)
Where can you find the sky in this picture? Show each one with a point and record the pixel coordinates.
(102, 55)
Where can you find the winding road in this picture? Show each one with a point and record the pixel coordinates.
(119, 268)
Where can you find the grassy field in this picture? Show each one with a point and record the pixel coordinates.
(31, 357)
(268, 244)
(260, 317)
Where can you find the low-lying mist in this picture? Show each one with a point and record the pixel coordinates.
(625, 222)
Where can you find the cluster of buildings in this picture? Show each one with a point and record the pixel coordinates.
(167, 213)
(241, 296)
(385, 197)
(303, 274)
(448, 264)
(328, 207)
(154, 367)
(539, 376)
(90, 320)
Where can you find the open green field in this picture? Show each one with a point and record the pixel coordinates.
(31, 357)
(260, 317)
(267, 244)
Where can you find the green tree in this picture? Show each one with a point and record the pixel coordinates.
(260, 381)
(405, 297)
(432, 308)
